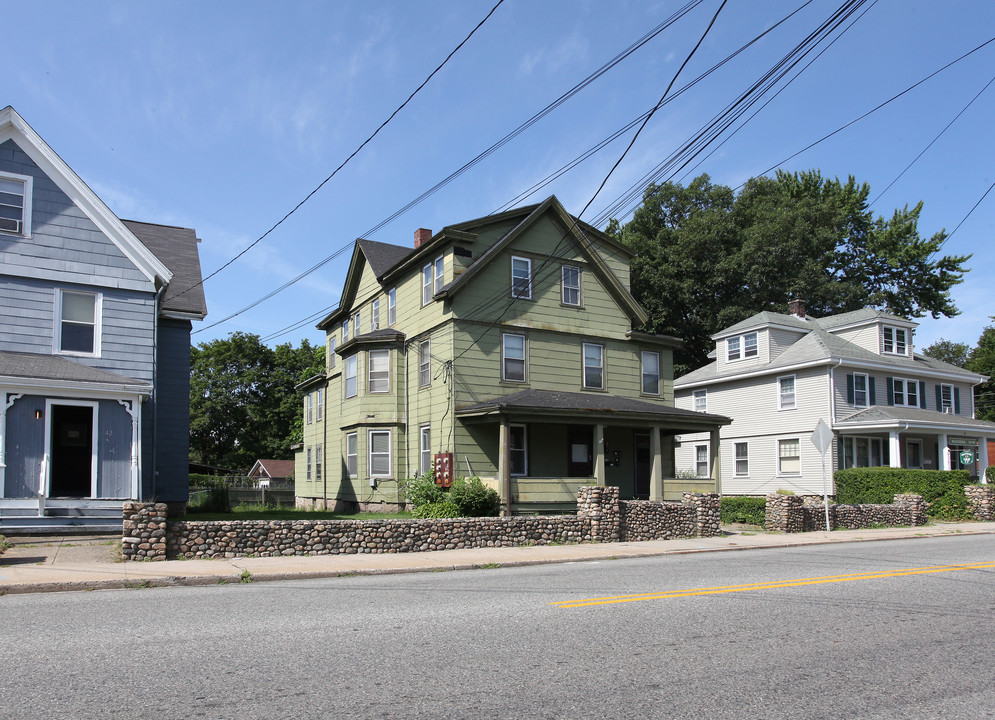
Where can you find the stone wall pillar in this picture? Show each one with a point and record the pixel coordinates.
(708, 512)
(982, 499)
(784, 513)
(601, 506)
(915, 505)
(144, 531)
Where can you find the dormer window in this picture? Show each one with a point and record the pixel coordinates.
(742, 346)
(15, 203)
(895, 340)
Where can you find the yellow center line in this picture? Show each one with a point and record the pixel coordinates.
(874, 575)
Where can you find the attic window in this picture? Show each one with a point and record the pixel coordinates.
(895, 340)
(521, 278)
(742, 346)
(15, 203)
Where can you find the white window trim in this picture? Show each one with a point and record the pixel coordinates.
(426, 285)
(905, 394)
(781, 405)
(375, 316)
(98, 312)
(369, 372)
(601, 367)
(425, 449)
(703, 394)
(309, 465)
(564, 287)
(525, 450)
(642, 372)
(697, 471)
(309, 408)
(317, 463)
(777, 450)
(354, 361)
(524, 358)
(425, 363)
(527, 295)
(867, 390)
(345, 331)
(28, 182)
(355, 437)
(735, 460)
(439, 274)
(331, 353)
(943, 405)
(894, 340)
(369, 453)
(391, 307)
(50, 403)
(740, 341)
(355, 324)
(320, 401)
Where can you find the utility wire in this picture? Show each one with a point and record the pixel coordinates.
(351, 155)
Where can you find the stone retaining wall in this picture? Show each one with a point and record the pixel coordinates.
(982, 499)
(796, 513)
(601, 517)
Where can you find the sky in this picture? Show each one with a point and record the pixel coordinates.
(224, 116)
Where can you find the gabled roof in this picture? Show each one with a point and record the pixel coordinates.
(176, 247)
(383, 257)
(53, 370)
(272, 469)
(13, 127)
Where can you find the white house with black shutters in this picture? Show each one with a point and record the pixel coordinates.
(95, 321)
(776, 375)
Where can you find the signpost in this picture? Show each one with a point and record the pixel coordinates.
(822, 438)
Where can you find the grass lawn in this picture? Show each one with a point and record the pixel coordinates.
(260, 512)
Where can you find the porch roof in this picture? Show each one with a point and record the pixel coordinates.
(53, 370)
(591, 407)
(889, 417)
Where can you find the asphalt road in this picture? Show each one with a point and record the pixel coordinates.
(846, 631)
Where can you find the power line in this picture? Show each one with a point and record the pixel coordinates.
(351, 155)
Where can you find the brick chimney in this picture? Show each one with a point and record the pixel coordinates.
(797, 307)
(422, 236)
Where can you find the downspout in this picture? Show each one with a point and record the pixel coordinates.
(155, 404)
(407, 435)
(832, 414)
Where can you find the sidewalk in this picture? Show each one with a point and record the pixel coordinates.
(58, 564)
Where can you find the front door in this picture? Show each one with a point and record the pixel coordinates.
(913, 454)
(71, 451)
(643, 465)
(580, 456)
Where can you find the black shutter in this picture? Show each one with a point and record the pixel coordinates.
(922, 394)
(873, 400)
(957, 400)
(849, 389)
(939, 398)
(841, 457)
(891, 391)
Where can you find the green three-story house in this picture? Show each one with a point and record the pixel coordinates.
(504, 348)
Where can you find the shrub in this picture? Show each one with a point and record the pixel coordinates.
(473, 498)
(748, 510)
(990, 474)
(942, 489)
(437, 510)
(422, 490)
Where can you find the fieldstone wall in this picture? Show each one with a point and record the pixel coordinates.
(144, 531)
(982, 499)
(796, 513)
(601, 517)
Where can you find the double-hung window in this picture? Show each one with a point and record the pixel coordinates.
(331, 353)
(426, 285)
(741, 346)
(425, 457)
(351, 376)
(317, 463)
(424, 363)
(894, 340)
(701, 461)
(742, 458)
(651, 372)
(786, 392)
(391, 307)
(345, 331)
(355, 324)
(518, 454)
(15, 203)
(513, 357)
(701, 400)
(521, 277)
(379, 463)
(79, 323)
(439, 274)
(375, 316)
(351, 454)
(571, 285)
(309, 464)
(789, 461)
(860, 390)
(379, 365)
(906, 392)
(320, 400)
(309, 402)
(594, 366)
(946, 396)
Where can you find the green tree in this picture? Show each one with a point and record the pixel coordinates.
(982, 361)
(707, 258)
(243, 405)
(954, 353)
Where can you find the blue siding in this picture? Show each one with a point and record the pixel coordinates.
(114, 448)
(25, 447)
(65, 245)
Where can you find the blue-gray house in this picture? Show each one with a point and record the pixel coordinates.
(95, 321)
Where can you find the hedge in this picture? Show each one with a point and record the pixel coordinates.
(942, 489)
(747, 510)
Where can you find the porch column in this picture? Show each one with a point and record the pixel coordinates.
(944, 459)
(715, 467)
(656, 466)
(982, 459)
(894, 449)
(504, 463)
(599, 454)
